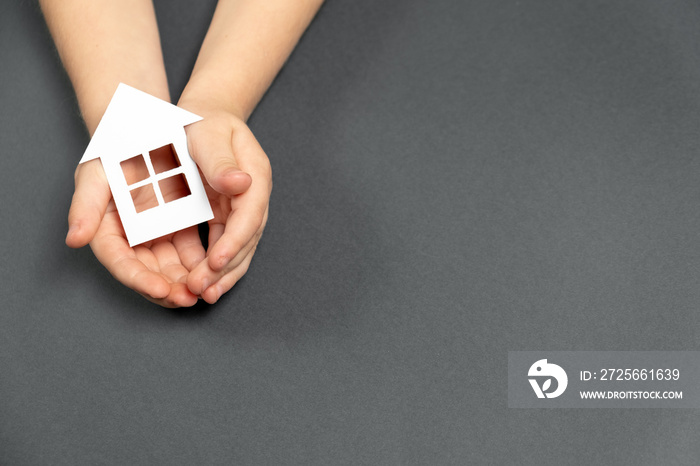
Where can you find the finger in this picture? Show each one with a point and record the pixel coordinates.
(214, 292)
(189, 247)
(216, 230)
(247, 218)
(169, 261)
(203, 277)
(145, 255)
(90, 200)
(179, 296)
(112, 250)
(209, 144)
(133, 273)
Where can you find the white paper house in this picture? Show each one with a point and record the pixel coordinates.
(138, 125)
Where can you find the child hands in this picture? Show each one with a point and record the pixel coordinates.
(174, 270)
(247, 43)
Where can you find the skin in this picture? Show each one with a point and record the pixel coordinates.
(103, 43)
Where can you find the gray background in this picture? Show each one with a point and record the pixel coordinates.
(453, 180)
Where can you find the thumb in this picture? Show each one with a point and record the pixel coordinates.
(89, 203)
(210, 144)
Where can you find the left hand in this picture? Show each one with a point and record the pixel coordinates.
(238, 181)
(158, 269)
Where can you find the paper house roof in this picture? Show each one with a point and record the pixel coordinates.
(134, 119)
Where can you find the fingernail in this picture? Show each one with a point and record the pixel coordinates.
(231, 171)
(73, 228)
(223, 260)
(217, 290)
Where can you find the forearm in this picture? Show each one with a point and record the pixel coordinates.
(103, 43)
(246, 45)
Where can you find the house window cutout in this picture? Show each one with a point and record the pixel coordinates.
(174, 188)
(152, 184)
(164, 158)
(144, 198)
(134, 169)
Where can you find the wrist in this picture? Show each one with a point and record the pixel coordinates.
(205, 96)
(94, 96)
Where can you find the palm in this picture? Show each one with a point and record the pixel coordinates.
(157, 269)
